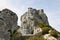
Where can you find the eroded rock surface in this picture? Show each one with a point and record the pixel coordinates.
(8, 21)
(31, 18)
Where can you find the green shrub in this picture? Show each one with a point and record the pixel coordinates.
(14, 34)
(53, 33)
(45, 30)
(42, 24)
(36, 37)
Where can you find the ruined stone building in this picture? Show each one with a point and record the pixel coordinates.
(31, 18)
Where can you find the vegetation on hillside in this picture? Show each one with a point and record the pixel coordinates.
(14, 35)
(45, 30)
(36, 37)
(53, 33)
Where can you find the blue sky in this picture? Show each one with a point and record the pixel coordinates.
(51, 8)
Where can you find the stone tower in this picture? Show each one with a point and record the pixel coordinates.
(31, 18)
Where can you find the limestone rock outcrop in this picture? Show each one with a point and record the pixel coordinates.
(31, 18)
(8, 21)
(35, 26)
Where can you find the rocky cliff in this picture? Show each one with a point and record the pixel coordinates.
(8, 21)
(35, 26)
(30, 19)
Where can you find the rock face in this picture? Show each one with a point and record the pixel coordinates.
(32, 18)
(8, 21)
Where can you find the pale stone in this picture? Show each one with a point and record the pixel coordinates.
(31, 18)
(37, 30)
(49, 37)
